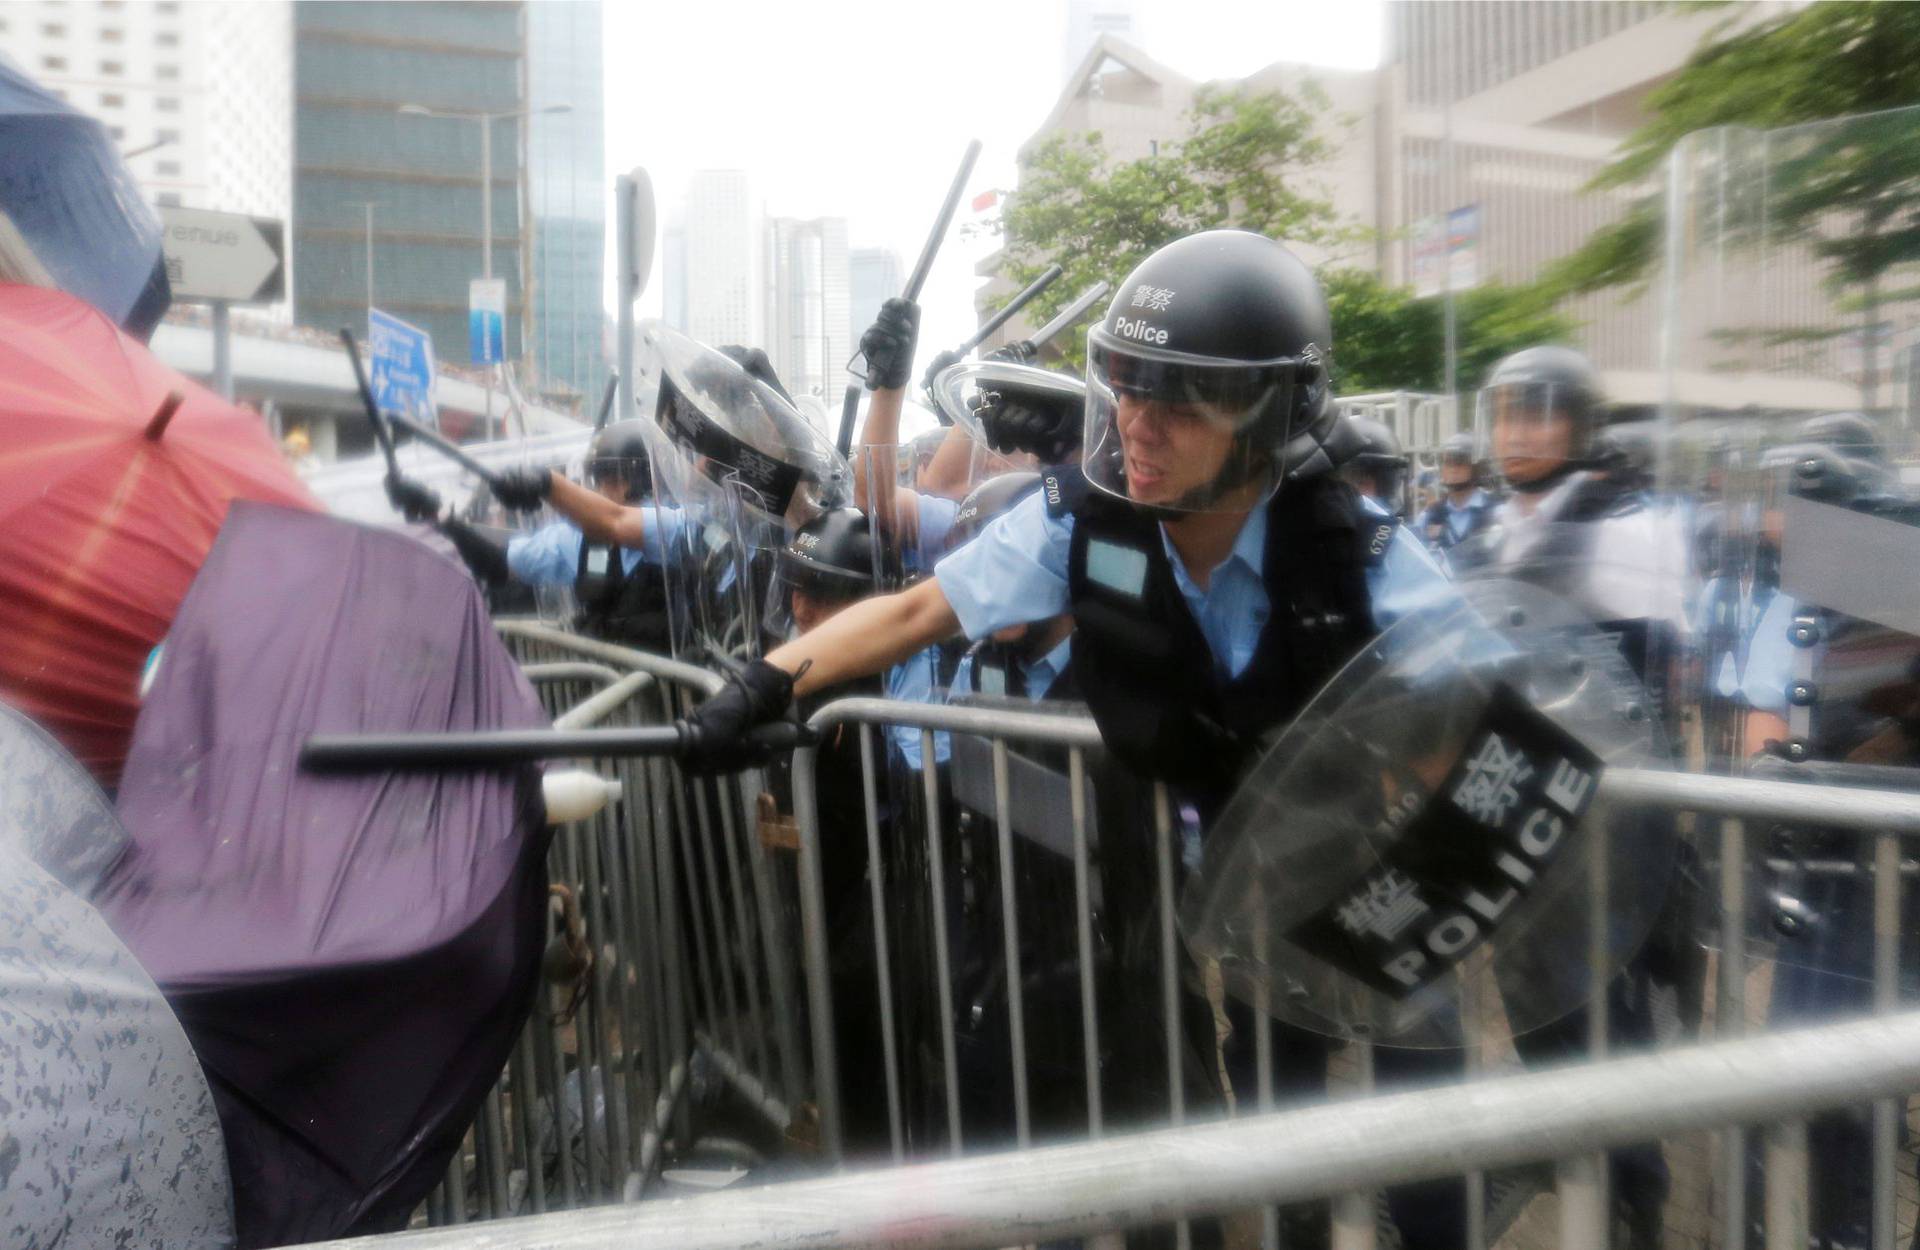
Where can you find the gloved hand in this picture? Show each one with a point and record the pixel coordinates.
(939, 362)
(755, 362)
(888, 344)
(1018, 352)
(714, 735)
(1050, 429)
(412, 500)
(523, 488)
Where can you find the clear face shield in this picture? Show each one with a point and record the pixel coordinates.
(1536, 428)
(1186, 434)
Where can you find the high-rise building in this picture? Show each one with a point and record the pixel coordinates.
(198, 95)
(568, 189)
(355, 66)
(807, 302)
(873, 276)
(720, 264)
(673, 277)
(1087, 20)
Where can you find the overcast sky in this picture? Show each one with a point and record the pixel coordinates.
(861, 108)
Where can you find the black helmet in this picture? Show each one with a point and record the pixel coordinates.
(1546, 381)
(1229, 324)
(987, 501)
(1377, 455)
(1852, 434)
(619, 453)
(1458, 449)
(1626, 453)
(831, 556)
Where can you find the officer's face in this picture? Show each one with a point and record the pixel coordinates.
(614, 488)
(1456, 474)
(809, 611)
(1171, 449)
(1530, 442)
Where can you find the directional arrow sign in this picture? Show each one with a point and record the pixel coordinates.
(224, 257)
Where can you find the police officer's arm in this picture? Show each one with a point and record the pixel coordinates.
(869, 637)
(882, 429)
(950, 472)
(598, 517)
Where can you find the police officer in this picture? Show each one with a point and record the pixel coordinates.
(827, 566)
(1465, 508)
(1217, 571)
(1378, 470)
(1030, 660)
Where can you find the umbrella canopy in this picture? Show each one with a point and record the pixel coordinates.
(110, 1136)
(115, 474)
(352, 956)
(71, 215)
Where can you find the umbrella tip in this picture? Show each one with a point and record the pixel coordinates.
(168, 406)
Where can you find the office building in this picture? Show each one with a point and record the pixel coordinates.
(1088, 20)
(874, 275)
(569, 192)
(807, 304)
(355, 66)
(719, 271)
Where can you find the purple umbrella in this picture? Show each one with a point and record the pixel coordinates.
(352, 956)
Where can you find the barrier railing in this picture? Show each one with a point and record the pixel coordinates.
(1130, 1181)
(718, 916)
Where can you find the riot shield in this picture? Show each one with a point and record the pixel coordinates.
(1428, 827)
(737, 468)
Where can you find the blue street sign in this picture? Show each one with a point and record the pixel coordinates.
(402, 372)
(486, 320)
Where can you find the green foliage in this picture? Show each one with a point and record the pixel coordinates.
(1245, 163)
(1822, 61)
(1385, 339)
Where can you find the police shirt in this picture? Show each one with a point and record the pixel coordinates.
(1636, 566)
(1016, 572)
(912, 681)
(1458, 518)
(1768, 671)
(550, 556)
(1039, 675)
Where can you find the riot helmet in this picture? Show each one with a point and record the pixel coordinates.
(1626, 454)
(1527, 401)
(1852, 434)
(987, 501)
(1207, 382)
(827, 565)
(1457, 469)
(619, 457)
(1378, 467)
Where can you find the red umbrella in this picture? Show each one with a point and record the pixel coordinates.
(115, 475)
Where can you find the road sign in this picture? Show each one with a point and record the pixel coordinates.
(1446, 252)
(224, 257)
(402, 373)
(487, 319)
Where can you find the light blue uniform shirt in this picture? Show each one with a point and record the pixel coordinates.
(1769, 668)
(1460, 517)
(935, 516)
(550, 556)
(1016, 571)
(1039, 674)
(912, 680)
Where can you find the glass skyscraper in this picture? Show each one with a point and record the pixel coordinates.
(355, 64)
(570, 193)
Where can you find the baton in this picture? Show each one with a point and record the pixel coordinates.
(1012, 306)
(381, 434)
(361, 753)
(918, 278)
(1069, 315)
(849, 409)
(606, 402)
(446, 447)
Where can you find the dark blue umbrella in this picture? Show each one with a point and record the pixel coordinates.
(71, 215)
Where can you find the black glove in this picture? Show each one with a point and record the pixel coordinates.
(1018, 352)
(888, 344)
(1048, 428)
(523, 489)
(412, 500)
(755, 362)
(714, 735)
(484, 556)
(933, 370)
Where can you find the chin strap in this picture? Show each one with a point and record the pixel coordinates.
(1546, 481)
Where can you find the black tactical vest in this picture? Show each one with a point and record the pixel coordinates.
(629, 608)
(996, 672)
(1142, 663)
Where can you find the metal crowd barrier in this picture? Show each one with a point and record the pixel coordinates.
(1129, 1181)
(697, 981)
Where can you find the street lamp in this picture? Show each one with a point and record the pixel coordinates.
(486, 120)
(369, 206)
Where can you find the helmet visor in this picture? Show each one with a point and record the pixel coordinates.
(1186, 434)
(1534, 423)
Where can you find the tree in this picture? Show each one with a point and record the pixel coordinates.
(1385, 339)
(1246, 162)
(1848, 193)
